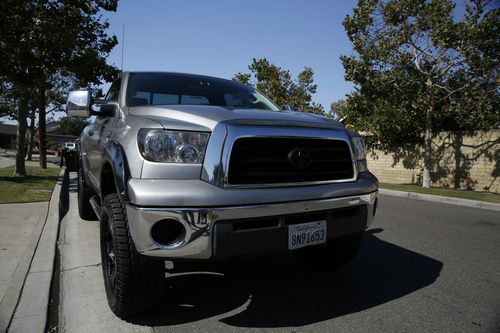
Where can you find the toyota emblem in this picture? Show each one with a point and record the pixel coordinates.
(300, 158)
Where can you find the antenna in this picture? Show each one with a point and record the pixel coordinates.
(123, 42)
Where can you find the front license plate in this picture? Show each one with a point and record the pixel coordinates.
(306, 234)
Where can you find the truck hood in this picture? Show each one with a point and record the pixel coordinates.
(206, 117)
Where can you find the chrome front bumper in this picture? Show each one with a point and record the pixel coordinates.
(199, 222)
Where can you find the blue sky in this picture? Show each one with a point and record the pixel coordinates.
(221, 37)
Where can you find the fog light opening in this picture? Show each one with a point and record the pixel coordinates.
(168, 232)
(375, 207)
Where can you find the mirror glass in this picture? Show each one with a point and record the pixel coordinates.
(78, 104)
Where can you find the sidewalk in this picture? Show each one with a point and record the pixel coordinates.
(6, 161)
(27, 241)
(442, 199)
(21, 226)
(83, 306)
(18, 224)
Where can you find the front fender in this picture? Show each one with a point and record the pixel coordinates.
(114, 154)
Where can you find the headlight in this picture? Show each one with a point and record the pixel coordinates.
(159, 145)
(358, 145)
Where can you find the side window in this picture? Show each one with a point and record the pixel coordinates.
(114, 91)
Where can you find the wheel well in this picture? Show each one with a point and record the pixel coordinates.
(107, 181)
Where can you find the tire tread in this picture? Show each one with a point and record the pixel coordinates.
(140, 280)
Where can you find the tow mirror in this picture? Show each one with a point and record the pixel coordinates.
(78, 104)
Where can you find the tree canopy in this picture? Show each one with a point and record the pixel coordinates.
(420, 68)
(44, 43)
(42, 38)
(279, 85)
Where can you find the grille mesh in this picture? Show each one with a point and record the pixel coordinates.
(288, 160)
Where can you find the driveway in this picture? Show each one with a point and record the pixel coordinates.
(423, 267)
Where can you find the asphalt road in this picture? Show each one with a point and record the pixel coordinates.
(423, 267)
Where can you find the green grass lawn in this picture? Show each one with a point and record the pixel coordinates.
(447, 192)
(37, 186)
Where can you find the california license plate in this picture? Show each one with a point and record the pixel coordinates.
(306, 234)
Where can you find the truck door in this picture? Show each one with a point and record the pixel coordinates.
(97, 136)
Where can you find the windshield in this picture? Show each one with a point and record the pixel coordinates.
(168, 89)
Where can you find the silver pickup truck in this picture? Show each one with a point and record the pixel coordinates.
(189, 167)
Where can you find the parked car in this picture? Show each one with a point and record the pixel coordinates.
(69, 146)
(190, 167)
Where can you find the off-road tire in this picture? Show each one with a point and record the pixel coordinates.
(133, 283)
(85, 210)
(335, 254)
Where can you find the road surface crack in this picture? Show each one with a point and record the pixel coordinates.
(83, 266)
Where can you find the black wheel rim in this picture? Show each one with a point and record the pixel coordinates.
(110, 258)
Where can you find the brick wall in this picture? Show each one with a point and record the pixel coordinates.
(477, 158)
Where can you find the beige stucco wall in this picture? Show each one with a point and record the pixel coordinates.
(479, 163)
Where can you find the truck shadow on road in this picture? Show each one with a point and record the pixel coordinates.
(276, 293)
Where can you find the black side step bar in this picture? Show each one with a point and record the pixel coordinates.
(94, 202)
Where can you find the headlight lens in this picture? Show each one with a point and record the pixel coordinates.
(358, 144)
(167, 146)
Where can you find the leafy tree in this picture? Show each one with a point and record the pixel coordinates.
(418, 70)
(72, 126)
(278, 84)
(43, 41)
(338, 109)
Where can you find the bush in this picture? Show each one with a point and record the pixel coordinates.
(52, 145)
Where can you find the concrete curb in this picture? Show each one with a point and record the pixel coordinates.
(31, 312)
(441, 199)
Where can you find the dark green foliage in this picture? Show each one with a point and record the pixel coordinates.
(280, 87)
(46, 46)
(338, 109)
(72, 126)
(420, 69)
(42, 38)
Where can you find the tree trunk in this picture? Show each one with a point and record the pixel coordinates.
(457, 143)
(20, 168)
(426, 179)
(42, 129)
(32, 135)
